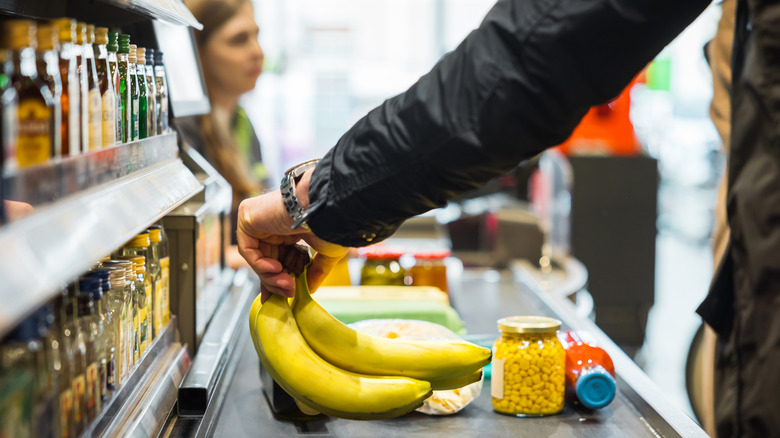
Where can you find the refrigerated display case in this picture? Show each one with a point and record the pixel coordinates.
(86, 206)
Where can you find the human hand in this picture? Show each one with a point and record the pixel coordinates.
(263, 232)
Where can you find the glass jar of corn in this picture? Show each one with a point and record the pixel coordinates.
(528, 367)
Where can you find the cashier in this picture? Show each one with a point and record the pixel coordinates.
(232, 61)
(517, 85)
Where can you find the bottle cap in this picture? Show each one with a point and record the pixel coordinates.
(158, 58)
(123, 43)
(113, 44)
(48, 37)
(132, 54)
(81, 33)
(140, 55)
(155, 235)
(90, 34)
(101, 35)
(139, 241)
(596, 387)
(528, 324)
(87, 285)
(66, 28)
(27, 330)
(19, 34)
(128, 266)
(150, 58)
(139, 261)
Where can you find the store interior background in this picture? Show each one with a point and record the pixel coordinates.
(328, 63)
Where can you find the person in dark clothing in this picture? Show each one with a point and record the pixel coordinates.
(516, 85)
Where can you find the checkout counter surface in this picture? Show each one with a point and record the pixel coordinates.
(481, 297)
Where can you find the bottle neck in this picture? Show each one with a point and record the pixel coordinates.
(24, 61)
(101, 51)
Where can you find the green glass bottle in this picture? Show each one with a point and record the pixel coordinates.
(135, 94)
(125, 98)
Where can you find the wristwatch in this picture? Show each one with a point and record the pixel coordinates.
(291, 204)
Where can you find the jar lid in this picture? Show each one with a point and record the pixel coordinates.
(528, 324)
(436, 254)
(380, 252)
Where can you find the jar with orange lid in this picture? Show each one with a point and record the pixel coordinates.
(528, 369)
(381, 267)
(429, 269)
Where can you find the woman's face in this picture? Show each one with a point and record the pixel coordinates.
(232, 58)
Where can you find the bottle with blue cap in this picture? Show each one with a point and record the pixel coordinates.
(108, 340)
(590, 373)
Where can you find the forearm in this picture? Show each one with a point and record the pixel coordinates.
(517, 85)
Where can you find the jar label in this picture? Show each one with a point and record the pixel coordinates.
(497, 378)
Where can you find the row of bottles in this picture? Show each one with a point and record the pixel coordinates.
(68, 87)
(60, 366)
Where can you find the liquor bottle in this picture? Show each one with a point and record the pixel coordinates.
(107, 342)
(122, 290)
(35, 110)
(70, 100)
(49, 375)
(48, 68)
(151, 94)
(78, 348)
(65, 377)
(22, 353)
(94, 96)
(162, 93)
(590, 373)
(9, 112)
(141, 302)
(125, 93)
(135, 93)
(81, 63)
(90, 330)
(107, 90)
(143, 92)
(162, 284)
(112, 47)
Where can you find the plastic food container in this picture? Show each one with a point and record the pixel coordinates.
(528, 370)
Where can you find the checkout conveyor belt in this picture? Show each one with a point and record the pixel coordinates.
(239, 407)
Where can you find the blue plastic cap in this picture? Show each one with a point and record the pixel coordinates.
(87, 285)
(596, 387)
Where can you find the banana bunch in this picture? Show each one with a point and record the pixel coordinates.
(333, 369)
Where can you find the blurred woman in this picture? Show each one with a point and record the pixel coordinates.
(232, 60)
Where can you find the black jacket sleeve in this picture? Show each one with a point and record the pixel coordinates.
(516, 85)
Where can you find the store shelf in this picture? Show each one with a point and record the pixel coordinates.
(172, 11)
(116, 193)
(148, 394)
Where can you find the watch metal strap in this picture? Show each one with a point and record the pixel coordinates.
(290, 199)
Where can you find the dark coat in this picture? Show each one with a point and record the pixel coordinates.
(743, 305)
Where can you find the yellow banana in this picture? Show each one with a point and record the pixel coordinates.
(318, 384)
(456, 382)
(351, 350)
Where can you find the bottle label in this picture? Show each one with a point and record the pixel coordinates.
(134, 120)
(95, 119)
(66, 410)
(142, 330)
(165, 291)
(136, 335)
(74, 110)
(110, 382)
(79, 395)
(109, 118)
(497, 378)
(34, 144)
(93, 388)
